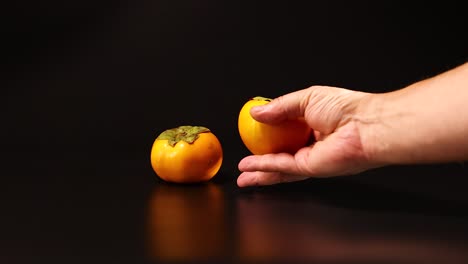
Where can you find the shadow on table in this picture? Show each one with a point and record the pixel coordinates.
(341, 220)
(345, 220)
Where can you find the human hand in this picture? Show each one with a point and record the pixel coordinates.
(335, 115)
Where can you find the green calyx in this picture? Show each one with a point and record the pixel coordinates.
(260, 98)
(186, 133)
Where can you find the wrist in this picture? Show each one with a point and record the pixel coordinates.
(370, 115)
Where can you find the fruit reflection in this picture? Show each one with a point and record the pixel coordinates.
(273, 228)
(186, 222)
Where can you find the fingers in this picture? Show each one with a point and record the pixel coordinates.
(269, 169)
(324, 108)
(283, 162)
(289, 106)
(339, 154)
(260, 178)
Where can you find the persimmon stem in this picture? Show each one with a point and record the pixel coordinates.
(186, 133)
(260, 98)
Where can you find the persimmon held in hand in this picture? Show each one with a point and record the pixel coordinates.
(260, 138)
(186, 154)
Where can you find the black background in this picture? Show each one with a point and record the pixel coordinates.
(88, 85)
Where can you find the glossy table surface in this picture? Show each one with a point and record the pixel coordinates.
(118, 211)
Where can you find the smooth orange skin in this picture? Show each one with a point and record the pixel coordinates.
(185, 162)
(260, 138)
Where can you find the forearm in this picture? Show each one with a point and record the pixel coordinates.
(424, 122)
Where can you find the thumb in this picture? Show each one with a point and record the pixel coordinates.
(288, 106)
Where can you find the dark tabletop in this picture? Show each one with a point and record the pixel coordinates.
(97, 210)
(88, 85)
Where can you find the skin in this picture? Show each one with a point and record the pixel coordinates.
(185, 162)
(426, 122)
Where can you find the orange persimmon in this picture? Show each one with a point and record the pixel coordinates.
(186, 154)
(260, 138)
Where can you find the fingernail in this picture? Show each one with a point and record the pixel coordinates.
(257, 109)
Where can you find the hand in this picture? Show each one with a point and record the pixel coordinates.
(425, 122)
(334, 114)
